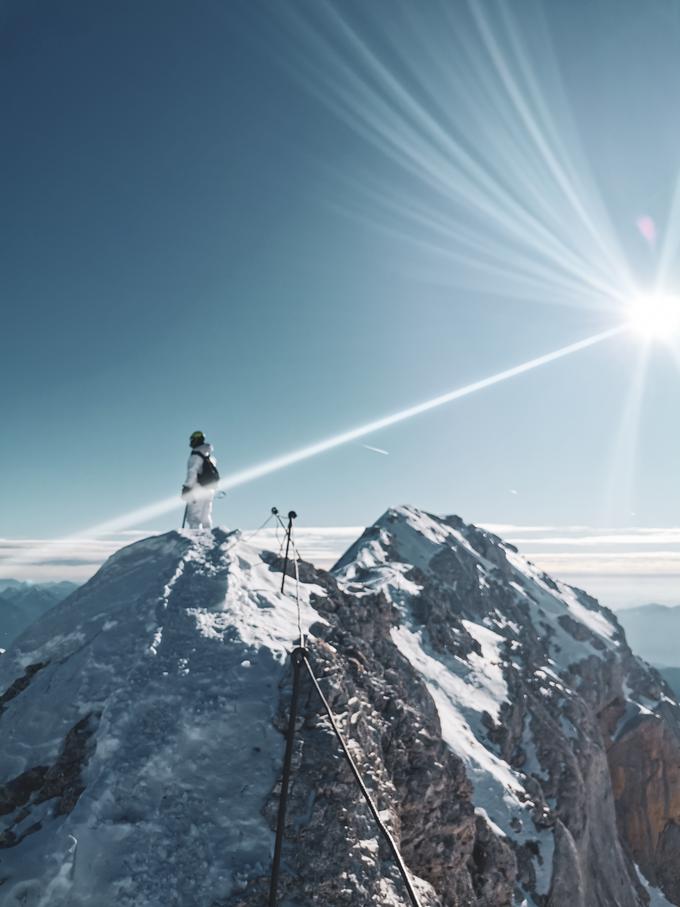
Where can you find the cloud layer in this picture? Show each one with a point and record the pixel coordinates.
(622, 567)
(77, 559)
(582, 549)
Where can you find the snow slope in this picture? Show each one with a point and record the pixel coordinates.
(184, 750)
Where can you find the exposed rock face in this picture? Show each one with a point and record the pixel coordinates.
(420, 784)
(567, 684)
(645, 769)
(61, 782)
(519, 753)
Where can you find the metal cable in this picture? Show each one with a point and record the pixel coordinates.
(282, 542)
(251, 535)
(299, 656)
(258, 530)
(364, 790)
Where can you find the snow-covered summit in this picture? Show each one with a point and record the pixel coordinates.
(494, 713)
(137, 734)
(408, 541)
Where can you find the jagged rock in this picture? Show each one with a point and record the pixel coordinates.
(645, 768)
(20, 684)
(520, 755)
(62, 782)
(566, 671)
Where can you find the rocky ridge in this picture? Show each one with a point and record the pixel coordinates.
(519, 752)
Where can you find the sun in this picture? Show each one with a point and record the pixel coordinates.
(655, 316)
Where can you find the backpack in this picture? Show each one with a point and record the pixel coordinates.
(209, 474)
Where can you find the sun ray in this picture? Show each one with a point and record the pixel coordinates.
(268, 467)
(620, 490)
(497, 188)
(671, 238)
(490, 263)
(380, 106)
(560, 163)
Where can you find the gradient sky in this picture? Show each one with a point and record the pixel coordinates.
(229, 216)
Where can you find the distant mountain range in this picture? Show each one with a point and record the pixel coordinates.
(653, 632)
(22, 603)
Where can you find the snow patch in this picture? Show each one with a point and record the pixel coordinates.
(487, 668)
(656, 896)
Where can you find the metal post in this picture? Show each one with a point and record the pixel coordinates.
(291, 516)
(298, 656)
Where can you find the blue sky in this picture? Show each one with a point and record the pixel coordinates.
(253, 218)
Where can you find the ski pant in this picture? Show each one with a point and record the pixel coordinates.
(199, 512)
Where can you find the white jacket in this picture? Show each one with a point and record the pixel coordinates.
(195, 465)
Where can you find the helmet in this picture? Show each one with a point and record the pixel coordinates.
(197, 438)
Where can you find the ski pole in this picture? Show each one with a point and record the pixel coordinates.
(186, 510)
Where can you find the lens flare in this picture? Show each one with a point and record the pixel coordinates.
(655, 316)
(259, 470)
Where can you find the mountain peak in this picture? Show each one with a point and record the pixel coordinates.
(492, 710)
(168, 662)
(408, 543)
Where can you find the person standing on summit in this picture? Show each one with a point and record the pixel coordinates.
(200, 484)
